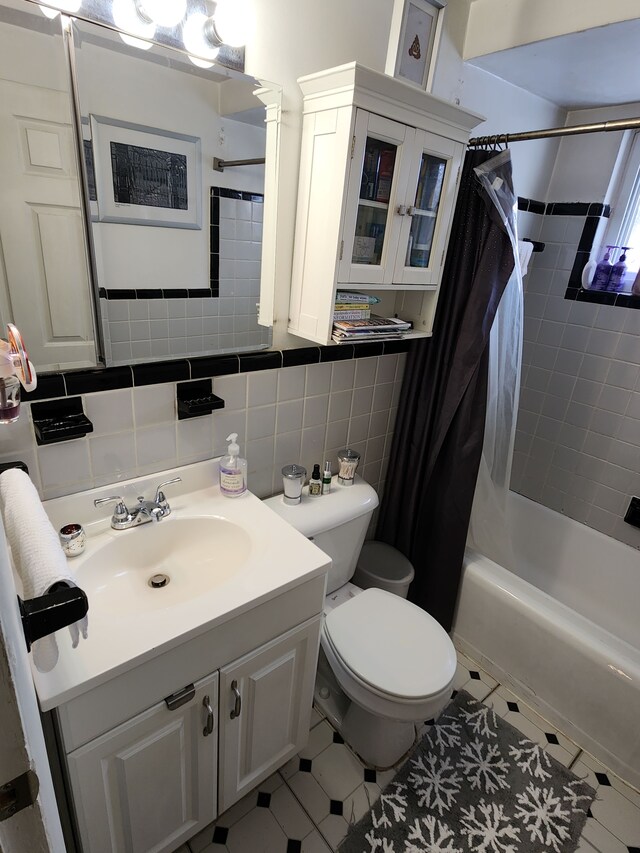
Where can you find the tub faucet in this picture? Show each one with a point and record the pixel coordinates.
(145, 511)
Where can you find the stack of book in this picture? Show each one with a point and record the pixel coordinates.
(353, 306)
(373, 328)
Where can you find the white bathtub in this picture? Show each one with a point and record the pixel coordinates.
(562, 628)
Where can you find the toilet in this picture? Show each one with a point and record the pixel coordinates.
(385, 664)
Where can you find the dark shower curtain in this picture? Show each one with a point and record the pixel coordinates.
(439, 431)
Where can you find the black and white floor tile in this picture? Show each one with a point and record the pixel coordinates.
(308, 806)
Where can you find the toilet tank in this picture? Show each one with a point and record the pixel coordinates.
(337, 523)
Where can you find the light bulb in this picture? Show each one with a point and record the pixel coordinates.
(233, 21)
(200, 49)
(126, 18)
(164, 13)
(60, 6)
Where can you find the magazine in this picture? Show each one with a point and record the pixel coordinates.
(374, 323)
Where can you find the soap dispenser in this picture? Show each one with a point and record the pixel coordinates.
(233, 470)
(603, 271)
(618, 270)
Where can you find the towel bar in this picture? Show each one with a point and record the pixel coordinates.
(45, 614)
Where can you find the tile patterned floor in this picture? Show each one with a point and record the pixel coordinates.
(309, 804)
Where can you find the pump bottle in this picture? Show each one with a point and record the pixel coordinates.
(233, 470)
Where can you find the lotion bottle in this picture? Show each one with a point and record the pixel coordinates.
(233, 470)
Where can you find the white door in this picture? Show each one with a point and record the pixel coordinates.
(265, 708)
(42, 245)
(149, 784)
(35, 829)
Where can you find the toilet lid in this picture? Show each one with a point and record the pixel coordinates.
(391, 644)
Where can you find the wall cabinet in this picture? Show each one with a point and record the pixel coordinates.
(379, 171)
(156, 779)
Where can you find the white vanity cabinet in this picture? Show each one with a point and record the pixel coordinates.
(145, 773)
(379, 171)
(150, 783)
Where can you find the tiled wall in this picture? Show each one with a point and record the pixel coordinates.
(578, 433)
(302, 414)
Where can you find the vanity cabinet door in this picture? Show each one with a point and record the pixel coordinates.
(265, 708)
(150, 783)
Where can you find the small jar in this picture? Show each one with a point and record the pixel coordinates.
(72, 539)
(293, 477)
(347, 463)
(9, 399)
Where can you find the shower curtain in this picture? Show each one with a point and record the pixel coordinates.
(439, 432)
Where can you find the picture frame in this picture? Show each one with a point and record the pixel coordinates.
(145, 175)
(416, 27)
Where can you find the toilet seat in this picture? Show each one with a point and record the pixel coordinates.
(389, 647)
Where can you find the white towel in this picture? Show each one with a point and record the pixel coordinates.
(525, 250)
(37, 555)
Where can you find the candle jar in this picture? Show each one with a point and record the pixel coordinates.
(72, 539)
(293, 477)
(347, 463)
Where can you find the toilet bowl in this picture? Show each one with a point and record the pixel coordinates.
(385, 664)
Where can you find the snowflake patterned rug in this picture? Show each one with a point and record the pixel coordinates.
(475, 784)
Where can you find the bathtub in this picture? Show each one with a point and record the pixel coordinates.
(562, 629)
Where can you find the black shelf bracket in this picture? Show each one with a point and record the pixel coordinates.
(196, 398)
(59, 420)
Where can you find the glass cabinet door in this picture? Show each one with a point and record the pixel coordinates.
(425, 210)
(429, 203)
(378, 170)
(373, 203)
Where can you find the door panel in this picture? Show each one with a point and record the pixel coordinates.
(150, 783)
(275, 686)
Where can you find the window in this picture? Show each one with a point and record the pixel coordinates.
(624, 224)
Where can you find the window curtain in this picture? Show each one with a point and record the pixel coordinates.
(439, 432)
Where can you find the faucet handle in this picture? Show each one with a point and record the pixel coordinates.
(160, 498)
(121, 512)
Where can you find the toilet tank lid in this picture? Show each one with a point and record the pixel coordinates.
(317, 514)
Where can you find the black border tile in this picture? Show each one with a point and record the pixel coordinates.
(125, 293)
(300, 355)
(523, 203)
(49, 385)
(368, 349)
(568, 208)
(260, 361)
(391, 347)
(154, 373)
(214, 365)
(588, 233)
(175, 292)
(536, 206)
(343, 352)
(100, 379)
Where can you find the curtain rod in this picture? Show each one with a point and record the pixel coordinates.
(571, 130)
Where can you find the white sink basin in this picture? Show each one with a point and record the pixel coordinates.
(188, 556)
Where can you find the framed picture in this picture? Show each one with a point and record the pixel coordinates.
(413, 41)
(146, 176)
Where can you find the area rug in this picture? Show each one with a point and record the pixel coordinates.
(475, 784)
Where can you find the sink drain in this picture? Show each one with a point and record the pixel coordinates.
(158, 581)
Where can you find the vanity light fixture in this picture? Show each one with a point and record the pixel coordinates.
(54, 8)
(232, 21)
(125, 17)
(163, 13)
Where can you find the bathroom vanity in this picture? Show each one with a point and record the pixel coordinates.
(184, 697)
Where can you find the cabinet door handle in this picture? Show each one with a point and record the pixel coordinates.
(208, 729)
(238, 704)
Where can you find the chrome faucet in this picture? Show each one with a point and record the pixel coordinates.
(155, 510)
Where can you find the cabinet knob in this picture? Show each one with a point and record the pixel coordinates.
(402, 210)
(208, 729)
(238, 703)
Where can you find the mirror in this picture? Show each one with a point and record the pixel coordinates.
(44, 277)
(180, 241)
(177, 244)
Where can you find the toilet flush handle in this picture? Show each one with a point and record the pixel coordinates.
(238, 704)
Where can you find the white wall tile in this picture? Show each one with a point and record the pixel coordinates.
(315, 410)
(194, 439)
(365, 371)
(64, 467)
(233, 390)
(261, 422)
(340, 405)
(154, 404)
(318, 379)
(262, 388)
(343, 375)
(291, 383)
(289, 415)
(113, 457)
